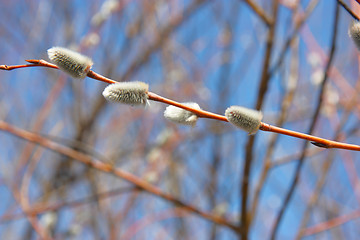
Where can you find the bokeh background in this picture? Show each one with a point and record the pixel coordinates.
(216, 53)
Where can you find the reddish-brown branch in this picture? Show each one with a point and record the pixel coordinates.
(317, 141)
(330, 223)
(160, 37)
(348, 9)
(259, 11)
(314, 120)
(294, 157)
(199, 113)
(106, 167)
(298, 25)
(281, 119)
(39, 208)
(262, 90)
(34, 63)
(96, 76)
(43, 63)
(151, 219)
(34, 222)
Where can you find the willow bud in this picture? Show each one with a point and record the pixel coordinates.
(354, 33)
(73, 63)
(181, 116)
(247, 119)
(133, 93)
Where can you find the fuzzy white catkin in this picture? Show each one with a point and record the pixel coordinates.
(133, 93)
(71, 62)
(354, 33)
(181, 116)
(247, 119)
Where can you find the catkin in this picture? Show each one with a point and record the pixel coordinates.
(71, 62)
(247, 119)
(181, 116)
(354, 33)
(133, 93)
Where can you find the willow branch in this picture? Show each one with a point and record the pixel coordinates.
(259, 11)
(332, 223)
(285, 107)
(311, 129)
(263, 87)
(40, 208)
(317, 141)
(289, 41)
(108, 168)
(161, 37)
(348, 9)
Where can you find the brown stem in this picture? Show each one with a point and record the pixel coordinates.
(106, 167)
(315, 116)
(348, 9)
(263, 87)
(285, 107)
(332, 223)
(39, 208)
(309, 9)
(259, 11)
(199, 113)
(96, 76)
(317, 141)
(34, 63)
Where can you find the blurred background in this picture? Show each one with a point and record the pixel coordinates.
(274, 56)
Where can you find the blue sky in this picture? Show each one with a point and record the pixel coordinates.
(215, 58)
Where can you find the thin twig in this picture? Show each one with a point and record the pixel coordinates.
(34, 222)
(285, 106)
(317, 141)
(348, 9)
(40, 208)
(143, 222)
(94, 75)
(263, 87)
(294, 157)
(33, 63)
(105, 167)
(316, 193)
(325, 169)
(335, 222)
(311, 128)
(199, 113)
(161, 37)
(260, 12)
(288, 42)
